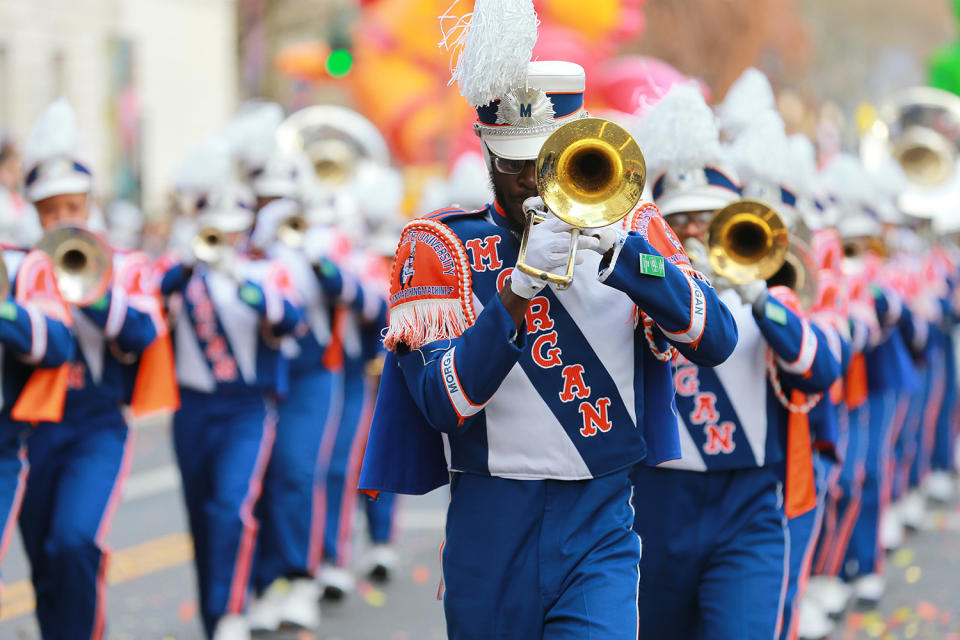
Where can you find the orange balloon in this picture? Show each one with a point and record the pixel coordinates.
(303, 61)
(595, 20)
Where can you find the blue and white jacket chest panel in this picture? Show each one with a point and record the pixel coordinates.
(305, 348)
(218, 338)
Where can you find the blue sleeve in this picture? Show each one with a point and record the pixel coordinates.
(41, 340)
(175, 279)
(802, 351)
(282, 315)
(687, 310)
(132, 330)
(451, 380)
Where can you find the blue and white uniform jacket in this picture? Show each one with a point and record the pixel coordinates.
(30, 338)
(110, 336)
(577, 394)
(227, 328)
(730, 416)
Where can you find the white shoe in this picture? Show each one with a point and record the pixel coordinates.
(813, 623)
(263, 613)
(300, 606)
(869, 589)
(831, 593)
(336, 581)
(913, 510)
(232, 627)
(891, 529)
(940, 486)
(381, 562)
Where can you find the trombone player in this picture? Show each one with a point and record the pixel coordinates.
(712, 522)
(541, 396)
(78, 465)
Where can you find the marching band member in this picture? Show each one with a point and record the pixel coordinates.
(231, 314)
(35, 347)
(538, 401)
(291, 509)
(377, 192)
(78, 465)
(738, 421)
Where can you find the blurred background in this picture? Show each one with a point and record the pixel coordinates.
(149, 79)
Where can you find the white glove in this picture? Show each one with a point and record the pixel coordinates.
(607, 237)
(697, 254)
(752, 292)
(316, 244)
(548, 248)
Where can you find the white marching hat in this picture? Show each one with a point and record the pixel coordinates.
(227, 208)
(849, 185)
(749, 96)
(687, 167)
(516, 124)
(53, 160)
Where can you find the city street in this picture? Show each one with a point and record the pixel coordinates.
(152, 592)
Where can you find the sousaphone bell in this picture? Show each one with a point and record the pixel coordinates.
(590, 174)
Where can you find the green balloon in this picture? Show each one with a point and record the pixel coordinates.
(943, 67)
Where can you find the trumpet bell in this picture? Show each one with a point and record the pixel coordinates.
(746, 241)
(292, 231)
(798, 271)
(208, 245)
(4, 280)
(82, 263)
(590, 173)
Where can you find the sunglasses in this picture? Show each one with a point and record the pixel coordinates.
(699, 218)
(510, 167)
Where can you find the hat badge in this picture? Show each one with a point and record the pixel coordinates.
(525, 107)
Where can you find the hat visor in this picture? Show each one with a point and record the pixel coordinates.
(227, 221)
(43, 189)
(515, 147)
(273, 188)
(859, 227)
(697, 199)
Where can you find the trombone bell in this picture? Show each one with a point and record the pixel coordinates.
(292, 231)
(746, 241)
(798, 271)
(590, 174)
(82, 263)
(208, 245)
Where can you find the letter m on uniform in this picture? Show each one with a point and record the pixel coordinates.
(483, 253)
(526, 110)
(719, 438)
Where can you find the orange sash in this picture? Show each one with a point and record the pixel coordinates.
(800, 493)
(45, 394)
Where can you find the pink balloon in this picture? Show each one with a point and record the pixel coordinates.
(633, 84)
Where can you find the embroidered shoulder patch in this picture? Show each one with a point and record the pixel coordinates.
(647, 221)
(431, 295)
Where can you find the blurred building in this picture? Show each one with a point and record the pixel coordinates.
(148, 78)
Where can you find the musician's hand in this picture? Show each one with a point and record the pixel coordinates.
(753, 293)
(548, 249)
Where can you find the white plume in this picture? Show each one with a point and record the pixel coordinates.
(759, 153)
(888, 179)
(490, 47)
(252, 133)
(803, 166)
(846, 180)
(679, 133)
(206, 166)
(55, 133)
(750, 95)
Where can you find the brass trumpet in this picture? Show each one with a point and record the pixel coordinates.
(292, 230)
(590, 174)
(746, 241)
(82, 263)
(4, 280)
(208, 245)
(797, 271)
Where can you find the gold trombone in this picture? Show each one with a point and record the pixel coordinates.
(4, 280)
(590, 174)
(209, 246)
(746, 241)
(82, 263)
(798, 271)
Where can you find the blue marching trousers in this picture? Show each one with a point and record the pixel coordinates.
(14, 469)
(803, 531)
(714, 553)
(381, 516)
(344, 446)
(540, 559)
(223, 445)
(77, 470)
(290, 509)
